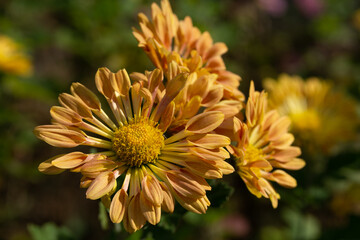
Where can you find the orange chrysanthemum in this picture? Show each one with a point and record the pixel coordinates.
(12, 58)
(142, 166)
(165, 39)
(262, 144)
(318, 114)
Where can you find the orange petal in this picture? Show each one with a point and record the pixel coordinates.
(167, 117)
(151, 212)
(85, 182)
(213, 96)
(168, 200)
(135, 217)
(47, 168)
(185, 183)
(294, 164)
(151, 190)
(86, 96)
(210, 154)
(228, 107)
(285, 155)
(57, 136)
(103, 84)
(209, 141)
(120, 82)
(118, 206)
(204, 122)
(283, 179)
(71, 102)
(279, 128)
(102, 184)
(217, 49)
(70, 160)
(175, 85)
(98, 165)
(204, 169)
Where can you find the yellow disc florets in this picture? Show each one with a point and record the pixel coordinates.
(138, 143)
(252, 154)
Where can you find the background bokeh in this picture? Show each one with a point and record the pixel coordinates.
(69, 40)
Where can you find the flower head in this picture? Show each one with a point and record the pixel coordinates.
(262, 145)
(140, 167)
(12, 58)
(317, 112)
(165, 39)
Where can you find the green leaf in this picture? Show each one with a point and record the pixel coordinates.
(136, 235)
(103, 216)
(301, 226)
(220, 193)
(49, 231)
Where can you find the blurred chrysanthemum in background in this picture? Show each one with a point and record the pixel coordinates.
(321, 117)
(13, 59)
(262, 145)
(142, 167)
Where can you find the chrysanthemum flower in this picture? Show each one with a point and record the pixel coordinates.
(321, 118)
(12, 58)
(263, 148)
(165, 39)
(140, 167)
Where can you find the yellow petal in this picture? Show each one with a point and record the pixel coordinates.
(175, 85)
(192, 107)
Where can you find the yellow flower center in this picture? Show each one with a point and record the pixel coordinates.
(138, 143)
(252, 154)
(306, 120)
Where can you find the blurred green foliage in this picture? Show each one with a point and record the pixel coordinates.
(68, 41)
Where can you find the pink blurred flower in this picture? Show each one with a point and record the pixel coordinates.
(275, 8)
(310, 8)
